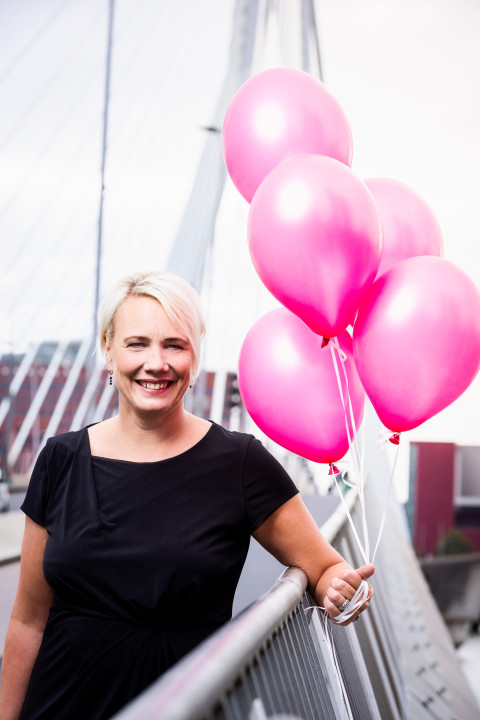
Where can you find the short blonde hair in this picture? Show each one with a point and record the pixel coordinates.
(179, 300)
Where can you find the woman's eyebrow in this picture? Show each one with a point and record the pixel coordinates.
(184, 341)
(142, 338)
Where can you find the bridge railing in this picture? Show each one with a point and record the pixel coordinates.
(281, 657)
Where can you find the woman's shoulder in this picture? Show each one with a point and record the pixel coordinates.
(232, 435)
(232, 438)
(67, 441)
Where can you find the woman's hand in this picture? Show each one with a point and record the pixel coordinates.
(292, 536)
(342, 588)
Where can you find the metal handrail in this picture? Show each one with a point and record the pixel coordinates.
(220, 660)
(275, 656)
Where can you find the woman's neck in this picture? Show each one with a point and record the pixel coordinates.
(131, 437)
(151, 427)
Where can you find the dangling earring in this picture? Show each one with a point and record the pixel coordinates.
(110, 377)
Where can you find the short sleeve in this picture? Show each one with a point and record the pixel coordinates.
(36, 498)
(266, 484)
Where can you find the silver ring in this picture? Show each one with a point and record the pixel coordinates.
(342, 607)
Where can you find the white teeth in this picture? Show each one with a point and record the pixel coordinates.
(153, 386)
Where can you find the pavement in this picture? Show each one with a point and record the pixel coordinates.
(11, 533)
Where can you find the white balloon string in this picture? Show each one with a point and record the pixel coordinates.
(350, 519)
(343, 359)
(343, 690)
(361, 595)
(357, 469)
(383, 438)
(346, 711)
(358, 459)
(362, 484)
(362, 441)
(356, 456)
(347, 482)
(334, 346)
(361, 497)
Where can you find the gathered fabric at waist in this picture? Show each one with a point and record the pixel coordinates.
(89, 657)
(151, 619)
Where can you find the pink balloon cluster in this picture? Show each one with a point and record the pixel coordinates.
(288, 384)
(416, 340)
(315, 240)
(337, 250)
(409, 226)
(276, 115)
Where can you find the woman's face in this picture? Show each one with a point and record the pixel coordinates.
(150, 358)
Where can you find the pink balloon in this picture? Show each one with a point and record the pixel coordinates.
(315, 240)
(416, 340)
(275, 115)
(289, 387)
(409, 226)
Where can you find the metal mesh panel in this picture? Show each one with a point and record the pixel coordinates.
(286, 675)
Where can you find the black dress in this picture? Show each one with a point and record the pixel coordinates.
(143, 558)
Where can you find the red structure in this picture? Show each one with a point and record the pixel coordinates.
(20, 401)
(444, 494)
(21, 390)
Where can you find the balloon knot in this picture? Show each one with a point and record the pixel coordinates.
(325, 341)
(333, 469)
(395, 439)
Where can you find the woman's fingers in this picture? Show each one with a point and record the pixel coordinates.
(342, 590)
(331, 607)
(366, 571)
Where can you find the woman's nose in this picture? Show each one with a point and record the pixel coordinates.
(156, 361)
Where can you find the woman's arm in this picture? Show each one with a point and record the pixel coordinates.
(27, 622)
(292, 536)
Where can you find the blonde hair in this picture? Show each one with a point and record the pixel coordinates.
(179, 300)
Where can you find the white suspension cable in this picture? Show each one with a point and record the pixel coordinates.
(62, 68)
(33, 40)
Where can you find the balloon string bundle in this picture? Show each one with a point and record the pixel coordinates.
(357, 470)
(345, 710)
(357, 600)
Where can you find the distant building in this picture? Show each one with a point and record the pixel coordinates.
(444, 495)
(55, 387)
(40, 394)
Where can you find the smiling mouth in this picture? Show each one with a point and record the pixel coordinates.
(153, 386)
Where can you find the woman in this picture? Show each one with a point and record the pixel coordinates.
(137, 527)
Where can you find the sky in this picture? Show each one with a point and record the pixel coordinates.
(404, 72)
(168, 62)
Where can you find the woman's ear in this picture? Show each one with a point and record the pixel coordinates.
(108, 359)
